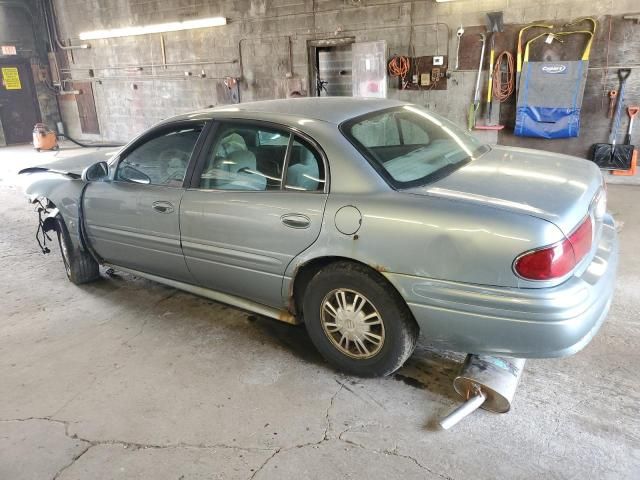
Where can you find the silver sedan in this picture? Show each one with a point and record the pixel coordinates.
(371, 221)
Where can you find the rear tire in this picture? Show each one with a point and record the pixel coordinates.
(79, 265)
(357, 321)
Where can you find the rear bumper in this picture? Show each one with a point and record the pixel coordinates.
(519, 322)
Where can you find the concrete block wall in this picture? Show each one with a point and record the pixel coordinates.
(256, 41)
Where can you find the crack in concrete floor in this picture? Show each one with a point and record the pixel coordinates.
(339, 437)
(127, 445)
(326, 437)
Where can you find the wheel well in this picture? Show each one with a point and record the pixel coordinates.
(49, 223)
(307, 271)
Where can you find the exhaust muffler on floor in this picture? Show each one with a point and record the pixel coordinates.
(485, 381)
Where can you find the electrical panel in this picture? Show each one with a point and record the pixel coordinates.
(425, 73)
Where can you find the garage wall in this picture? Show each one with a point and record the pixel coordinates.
(22, 26)
(254, 46)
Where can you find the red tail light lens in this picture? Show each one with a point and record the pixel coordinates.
(556, 260)
(547, 263)
(581, 239)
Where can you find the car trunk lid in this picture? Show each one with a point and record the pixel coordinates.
(557, 188)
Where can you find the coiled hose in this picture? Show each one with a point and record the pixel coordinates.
(504, 77)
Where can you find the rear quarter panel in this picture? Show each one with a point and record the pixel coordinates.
(431, 237)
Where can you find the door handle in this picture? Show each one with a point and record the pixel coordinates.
(163, 207)
(296, 220)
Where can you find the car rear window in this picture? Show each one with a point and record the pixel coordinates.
(410, 146)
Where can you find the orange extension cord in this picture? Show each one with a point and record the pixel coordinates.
(502, 89)
(399, 66)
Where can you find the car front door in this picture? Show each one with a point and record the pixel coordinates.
(132, 220)
(256, 201)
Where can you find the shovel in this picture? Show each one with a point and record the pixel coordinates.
(609, 156)
(495, 25)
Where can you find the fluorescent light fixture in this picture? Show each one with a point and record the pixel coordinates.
(157, 28)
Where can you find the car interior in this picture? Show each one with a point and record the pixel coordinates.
(243, 158)
(406, 148)
(251, 159)
(163, 160)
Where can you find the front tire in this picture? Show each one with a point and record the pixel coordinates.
(79, 265)
(357, 321)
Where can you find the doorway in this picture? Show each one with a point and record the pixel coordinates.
(19, 110)
(330, 67)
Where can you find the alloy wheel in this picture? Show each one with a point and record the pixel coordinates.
(352, 323)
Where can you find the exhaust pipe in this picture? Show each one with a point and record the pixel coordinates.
(487, 382)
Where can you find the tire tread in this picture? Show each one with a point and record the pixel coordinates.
(84, 268)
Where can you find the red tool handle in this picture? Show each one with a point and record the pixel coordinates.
(632, 111)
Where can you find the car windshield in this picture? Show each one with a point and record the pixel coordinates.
(411, 146)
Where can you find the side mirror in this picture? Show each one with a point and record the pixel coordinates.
(130, 174)
(96, 172)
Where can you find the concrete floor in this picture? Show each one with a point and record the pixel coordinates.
(125, 378)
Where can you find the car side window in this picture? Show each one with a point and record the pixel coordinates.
(306, 169)
(245, 157)
(268, 138)
(161, 160)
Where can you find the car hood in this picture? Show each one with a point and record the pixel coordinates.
(76, 164)
(555, 187)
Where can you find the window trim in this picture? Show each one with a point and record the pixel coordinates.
(155, 132)
(287, 160)
(217, 123)
(285, 172)
(386, 176)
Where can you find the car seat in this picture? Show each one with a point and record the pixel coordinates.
(242, 173)
(304, 174)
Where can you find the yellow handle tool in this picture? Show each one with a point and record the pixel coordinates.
(519, 56)
(491, 60)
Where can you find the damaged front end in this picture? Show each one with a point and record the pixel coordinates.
(55, 195)
(47, 214)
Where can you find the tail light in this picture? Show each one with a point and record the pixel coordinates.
(556, 260)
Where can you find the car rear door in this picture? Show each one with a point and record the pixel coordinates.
(256, 201)
(133, 220)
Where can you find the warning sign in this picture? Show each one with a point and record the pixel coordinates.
(11, 78)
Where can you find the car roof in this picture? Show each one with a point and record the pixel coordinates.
(334, 110)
